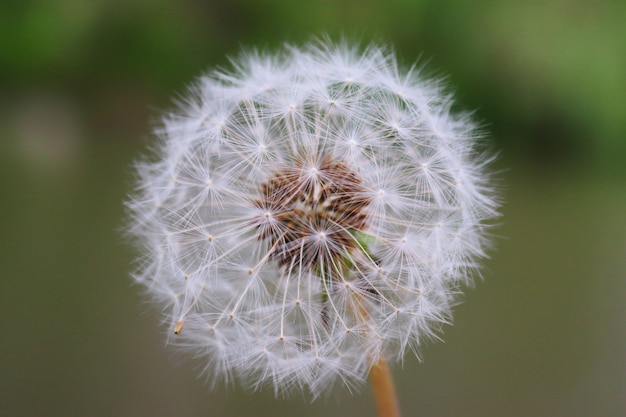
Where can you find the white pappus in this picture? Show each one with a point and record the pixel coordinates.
(309, 212)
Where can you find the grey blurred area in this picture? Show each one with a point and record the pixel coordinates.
(543, 333)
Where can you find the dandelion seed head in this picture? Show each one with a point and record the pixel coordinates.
(308, 213)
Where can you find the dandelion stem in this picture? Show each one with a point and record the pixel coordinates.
(384, 390)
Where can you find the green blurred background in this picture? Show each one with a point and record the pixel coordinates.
(544, 334)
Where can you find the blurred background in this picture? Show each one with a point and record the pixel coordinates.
(82, 81)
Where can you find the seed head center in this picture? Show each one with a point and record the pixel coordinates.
(315, 209)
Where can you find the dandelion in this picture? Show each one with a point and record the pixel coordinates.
(310, 216)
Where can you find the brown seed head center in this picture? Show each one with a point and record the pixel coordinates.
(311, 210)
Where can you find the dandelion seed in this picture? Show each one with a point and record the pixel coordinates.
(323, 209)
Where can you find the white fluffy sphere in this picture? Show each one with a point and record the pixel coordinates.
(309, 213)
